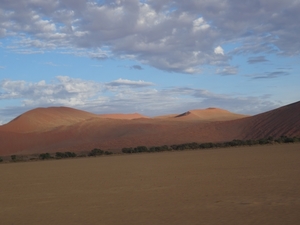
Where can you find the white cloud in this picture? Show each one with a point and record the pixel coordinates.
(130, 83)
(64, 91)
(228, 70)
(219, 50)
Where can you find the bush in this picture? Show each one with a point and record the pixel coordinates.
(1, 160)
(263, 141)
(70, 155)
(61, 155)
(13, 158)
(108, 153)
(96, 152)
(127, 150)
(206, 145)
(141, 149)
(44, 156)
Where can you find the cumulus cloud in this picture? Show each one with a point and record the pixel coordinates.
(168, 35)
(219, 50)
(63, 91)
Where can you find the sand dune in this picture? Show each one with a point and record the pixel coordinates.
(282, 121)
(209, 114)
(42, 119)
(65, 129)
(123, 116)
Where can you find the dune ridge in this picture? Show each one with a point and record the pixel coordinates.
(42, 119)
(210, 114)
(66, 129)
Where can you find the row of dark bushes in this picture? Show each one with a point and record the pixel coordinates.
(195, 145)
(64, 155)
(178, 147)
(59, 155)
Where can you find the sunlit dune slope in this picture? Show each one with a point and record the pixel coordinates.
(42, 119)
(122, 116)
(209, 114)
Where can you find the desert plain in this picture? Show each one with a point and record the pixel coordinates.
(240, 185)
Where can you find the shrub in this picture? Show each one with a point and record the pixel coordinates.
(108, 153)
(44, 156)
(206, 145)
(165, 148)
(13, 158)
(127, 150)
(96, 152)
(61, 155)
(141, 149)
(263, 141)
(1, 160)
(70, 155)
(155, 149)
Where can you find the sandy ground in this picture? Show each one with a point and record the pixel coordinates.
(245, 185)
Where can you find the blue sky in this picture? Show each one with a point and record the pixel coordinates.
(152, 57)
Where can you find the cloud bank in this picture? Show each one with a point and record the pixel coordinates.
(175, 36)
(122, 95)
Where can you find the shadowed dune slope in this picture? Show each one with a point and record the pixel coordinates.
(84, 131)
(282, 121)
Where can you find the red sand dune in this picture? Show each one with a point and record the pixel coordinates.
(282, 121)
(42, 119)
(209, 114)
(65, 129)
(122, 116)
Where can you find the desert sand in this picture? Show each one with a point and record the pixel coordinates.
(244, 185)
(64, 129)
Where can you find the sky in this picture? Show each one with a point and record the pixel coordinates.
(152, 57)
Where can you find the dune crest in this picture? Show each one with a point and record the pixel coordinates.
(42, 119)
(209, 114)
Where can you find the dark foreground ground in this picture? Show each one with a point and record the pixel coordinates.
(243, 185)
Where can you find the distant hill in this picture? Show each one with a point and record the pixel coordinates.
(66, 129)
